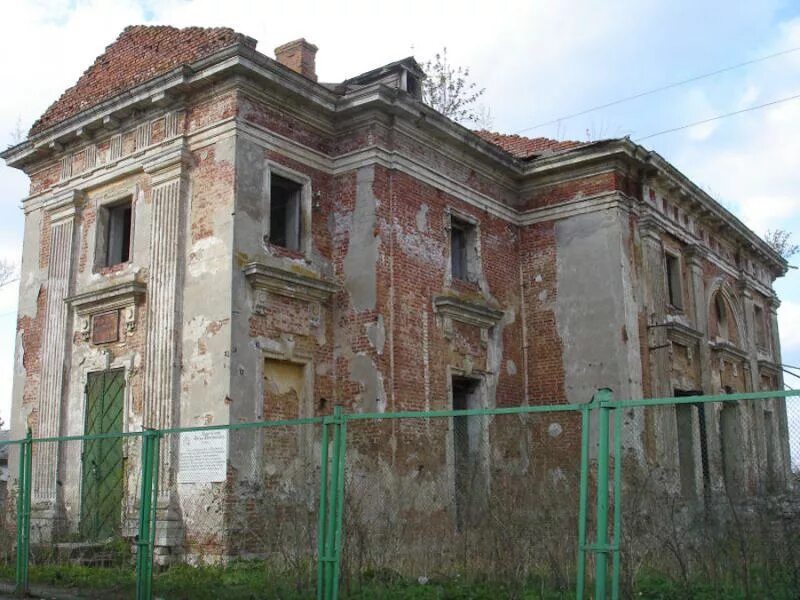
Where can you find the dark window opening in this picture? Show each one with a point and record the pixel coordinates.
(459, 248)
(674, 281)
(686, 416)
(466, 450)
(721, 316)
(118, 234)
(730, 440)
(284, 212)
(761, 330)
(412, 85)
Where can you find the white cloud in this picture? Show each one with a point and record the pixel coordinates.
(698, 107)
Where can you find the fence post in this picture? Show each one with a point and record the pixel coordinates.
(333, 527)
(340, 455)
(580, 585)
(145, 538)
(24, 514)
(615, 573)
(323, 498)
(602, 548)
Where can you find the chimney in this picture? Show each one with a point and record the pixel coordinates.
(298, 56)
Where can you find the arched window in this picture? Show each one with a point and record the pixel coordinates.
(721, 316)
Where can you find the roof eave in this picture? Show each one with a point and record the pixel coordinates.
(400, 103)
(165, 88)
(755, 242)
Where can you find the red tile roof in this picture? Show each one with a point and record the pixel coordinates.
(524, 147)
(139, 54)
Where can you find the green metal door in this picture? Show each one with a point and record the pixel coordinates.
(102, 485)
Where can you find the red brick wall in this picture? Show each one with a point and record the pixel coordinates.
(572, 190)
(546, 369)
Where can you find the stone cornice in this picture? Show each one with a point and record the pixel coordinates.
(589, 204)
(656, 223)
(728, 350)
(168, 165)
(650, 227)
(768, 365)
(118, 295)
(240, 60)
(467, 311)
(774, 303)
(695, 255)
(706, 205)
(285, 282)
(64, 206)
(682, 334)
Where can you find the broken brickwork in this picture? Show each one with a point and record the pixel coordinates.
(580, 266)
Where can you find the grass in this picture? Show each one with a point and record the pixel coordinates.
(250, 580)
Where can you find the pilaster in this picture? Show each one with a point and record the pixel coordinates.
(162, 356)
(750, 333)
(655, 297)
(55, 352)
(694, 259)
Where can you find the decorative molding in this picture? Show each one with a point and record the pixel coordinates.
(142, 136)
(650, 228)
(115, 147)
(682, 334)
(64, 206)
(773, 303)
(725, 349)
(769, 366)
(107, 298)
(168, 165)
(171, 123)
(284, 282)
(105, 327)
(600, 202)
(126, 296)
(453, 308)
(695, 254)
(65, 171)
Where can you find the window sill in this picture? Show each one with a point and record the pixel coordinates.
(285, 252)
(112, 269)
(468, 285)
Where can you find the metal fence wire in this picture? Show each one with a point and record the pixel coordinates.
(662, 498)
(477, 498)
(717, 513)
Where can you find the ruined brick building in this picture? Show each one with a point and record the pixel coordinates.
(214, 236)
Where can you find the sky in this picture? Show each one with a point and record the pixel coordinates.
(538, 60)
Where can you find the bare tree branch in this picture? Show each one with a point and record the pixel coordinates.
(7, 272)
(781, 242)
(448, 90)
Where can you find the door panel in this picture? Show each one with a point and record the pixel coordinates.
(102, 480)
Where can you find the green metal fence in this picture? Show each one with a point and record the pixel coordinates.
(607, 498)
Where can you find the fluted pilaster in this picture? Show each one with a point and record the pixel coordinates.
(54, 347)
(162, 356)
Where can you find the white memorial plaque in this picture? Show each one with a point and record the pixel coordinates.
(203, 457)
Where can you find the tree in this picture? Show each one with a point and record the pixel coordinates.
(7, 272)
(448, 90)
(781, 242)
(17, 134)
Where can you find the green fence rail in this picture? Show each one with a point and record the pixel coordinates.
(599, 561)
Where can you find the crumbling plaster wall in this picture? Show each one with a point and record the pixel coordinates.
(595, 307)
(712, 357)
(27, 361)
(206, 294)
